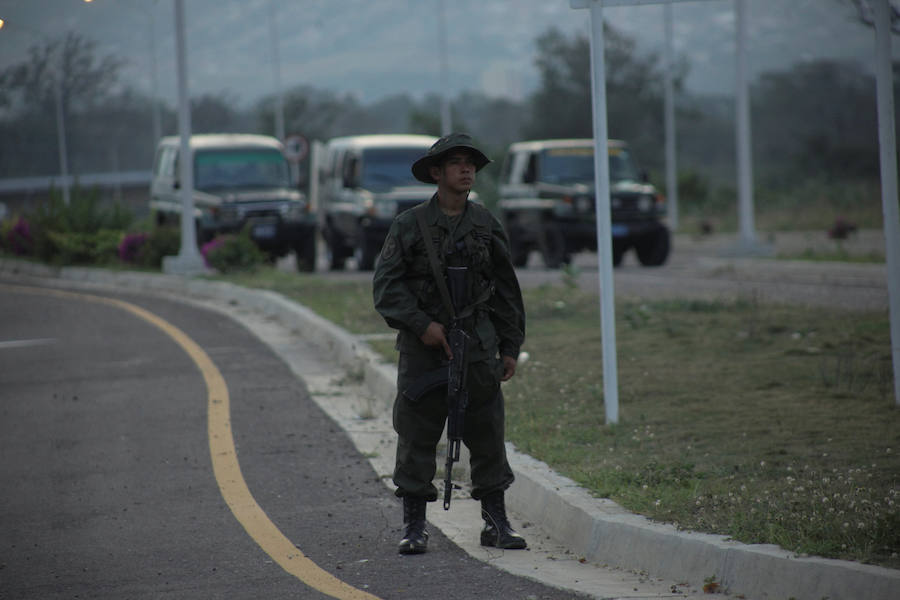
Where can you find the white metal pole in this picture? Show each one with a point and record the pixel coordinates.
(315, 154)
(446, 119)
(188, 260)
(61, 127)
(276, 69)
(745, 167)
(671, 166)
(154, 79)
(888, 153)
(604, 226)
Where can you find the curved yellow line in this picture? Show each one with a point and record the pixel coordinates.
(225, 462)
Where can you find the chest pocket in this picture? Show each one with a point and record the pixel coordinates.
(421, 280)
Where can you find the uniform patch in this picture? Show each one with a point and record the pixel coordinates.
(389, 249)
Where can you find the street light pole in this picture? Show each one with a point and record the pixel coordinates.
(446, 120)
(61, 128)
(188, 261)
(276, 68)
(669, 114)
(888, 161)
(154, 79)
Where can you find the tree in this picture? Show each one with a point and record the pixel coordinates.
(819, 117)
(28, 96)
(84, 79)
(562, 105)
(307, 111)
(214, 113)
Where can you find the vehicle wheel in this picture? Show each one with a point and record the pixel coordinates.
(305, 251)
(653, 248)
(553, 247)
(618, 252)
(366, 253)
(335, 260)
(335, 249)
(518, 251)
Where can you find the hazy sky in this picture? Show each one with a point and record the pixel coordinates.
(373, 48)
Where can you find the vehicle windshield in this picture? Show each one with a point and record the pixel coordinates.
(244, 168)
(386, 168)
(576, 165)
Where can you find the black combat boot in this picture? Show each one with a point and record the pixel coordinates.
(497, 530)
(415, 539)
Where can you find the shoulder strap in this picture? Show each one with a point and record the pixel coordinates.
(433, 259)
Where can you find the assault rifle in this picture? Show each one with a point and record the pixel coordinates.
(457, 395)
(453, 375)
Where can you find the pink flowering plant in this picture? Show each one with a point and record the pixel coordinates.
(18, 238)
(211, 247)
(130, 247)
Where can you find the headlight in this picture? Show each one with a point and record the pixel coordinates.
(584, 204)
(645, 203)
(292, 210)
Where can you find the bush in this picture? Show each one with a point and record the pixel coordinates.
(15, 237)
(84, 214)
(73, 248)
(130, 247)
(160, 242)
(81, 232)
(232, 253)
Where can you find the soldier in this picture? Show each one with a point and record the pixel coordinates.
(463, 233)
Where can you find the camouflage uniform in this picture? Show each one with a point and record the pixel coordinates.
(407, 297)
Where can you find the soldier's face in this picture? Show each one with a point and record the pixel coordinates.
(456, 173)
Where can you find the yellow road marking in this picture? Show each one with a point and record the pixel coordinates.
(224, 458)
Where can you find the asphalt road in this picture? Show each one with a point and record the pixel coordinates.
(707, 269)
(110, 488)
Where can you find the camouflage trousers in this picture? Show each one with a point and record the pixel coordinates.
(420, 423)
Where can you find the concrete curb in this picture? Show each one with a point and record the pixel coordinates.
(599, 530)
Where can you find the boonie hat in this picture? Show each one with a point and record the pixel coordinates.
(421, 169)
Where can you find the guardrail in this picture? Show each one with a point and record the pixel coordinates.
(114, 179)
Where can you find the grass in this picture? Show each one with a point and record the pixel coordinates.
(768, 424)
(836, 255)
(804, 205)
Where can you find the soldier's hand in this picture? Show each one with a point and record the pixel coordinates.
(436, 337)
(509, 368)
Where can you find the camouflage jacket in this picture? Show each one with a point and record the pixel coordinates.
(407, 296)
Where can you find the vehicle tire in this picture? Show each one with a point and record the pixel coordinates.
(337, 253)
(618, 252)
(335, 260)
(653, 248)
(553, 246)
(518, 251)
(305, 251)
(366, 253)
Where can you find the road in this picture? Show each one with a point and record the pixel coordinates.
(116, 483)
(119, 483)
(701, 268)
